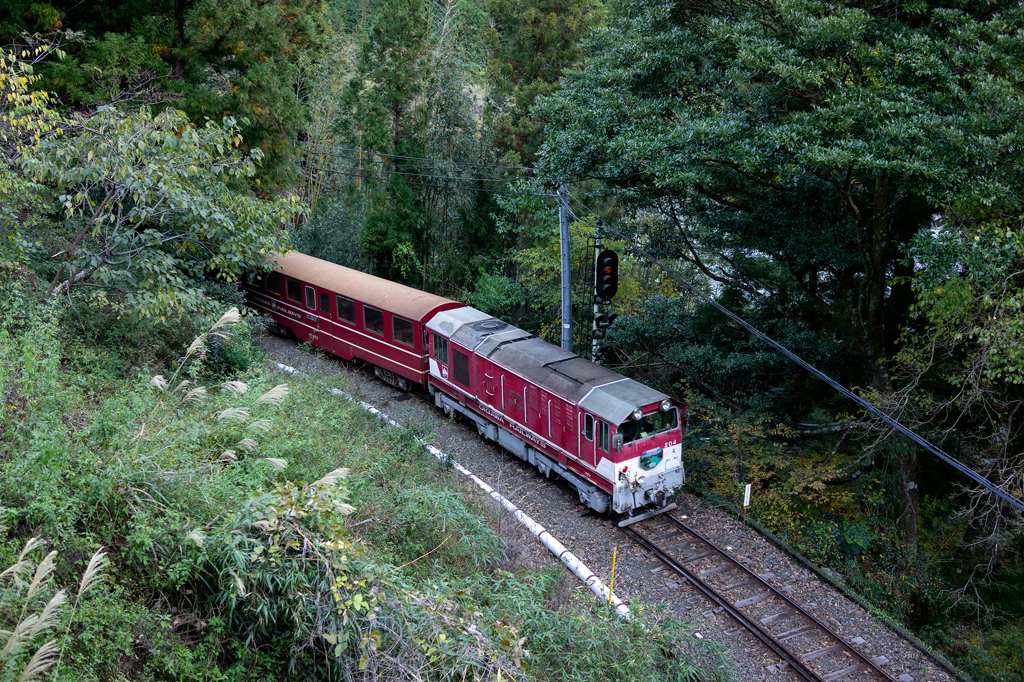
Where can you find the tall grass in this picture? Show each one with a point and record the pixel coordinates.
(29, 648)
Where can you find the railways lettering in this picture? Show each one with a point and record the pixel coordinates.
(616, 441)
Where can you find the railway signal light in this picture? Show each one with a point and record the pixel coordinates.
(607, 274)
(603, 322)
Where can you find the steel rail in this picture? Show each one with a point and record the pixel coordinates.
(781, 651)
(793, 659)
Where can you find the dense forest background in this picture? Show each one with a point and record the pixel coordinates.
(845, 175)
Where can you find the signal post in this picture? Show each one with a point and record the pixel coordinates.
(606, 285)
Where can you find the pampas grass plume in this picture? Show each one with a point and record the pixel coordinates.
(230, 317)
(239, 413)
(40, 662)
(260, 425)
(92, 575)
(43, 571)
(236, 387)
(275, 395)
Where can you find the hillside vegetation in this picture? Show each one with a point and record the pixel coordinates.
(844, 175)
(193, 522)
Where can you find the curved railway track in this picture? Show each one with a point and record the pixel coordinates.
(805, 648)
(804, 644)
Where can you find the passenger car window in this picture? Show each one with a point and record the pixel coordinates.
(310, 298)
(373, 320)
(346, 309)
(402, 331)
(325, 304)
(273, 281)
(294, 289)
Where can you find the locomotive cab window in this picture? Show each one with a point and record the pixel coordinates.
(373, 320)
(310, 298)
(602, 435)
(441, 349)
(325, 304)
(588, 427)
(273, 282)
(346, 310)
(402, 331)
(294, 289)
(648, 425)
(460, 367)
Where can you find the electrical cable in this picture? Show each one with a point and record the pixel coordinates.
(423, 184)
(396, 171)
(935, 450)
(417, 158)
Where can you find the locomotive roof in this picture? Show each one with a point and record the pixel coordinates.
(375, 291)
(600, 391)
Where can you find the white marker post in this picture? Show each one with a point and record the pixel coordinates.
(746, 501)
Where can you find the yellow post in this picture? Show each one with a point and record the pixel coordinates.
(612, 585)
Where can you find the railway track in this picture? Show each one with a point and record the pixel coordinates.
(803, 644)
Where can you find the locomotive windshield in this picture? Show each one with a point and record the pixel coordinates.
(648, 425)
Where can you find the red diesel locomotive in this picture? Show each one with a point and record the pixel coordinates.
(616, 441)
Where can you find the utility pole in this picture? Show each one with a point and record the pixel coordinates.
(563, 224)
(597, 308)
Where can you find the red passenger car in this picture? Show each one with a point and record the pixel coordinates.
(349, 313)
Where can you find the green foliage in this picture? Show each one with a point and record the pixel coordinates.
(33, 609)
(210, 58)
(675, 341)
(818, 135)
(147, 209)
(531, 44)
(589, 642)
(242, 60)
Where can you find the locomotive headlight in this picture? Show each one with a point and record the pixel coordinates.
(666, 404)
(640, 480)
(638, 413)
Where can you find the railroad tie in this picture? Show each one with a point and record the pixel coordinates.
(715, 571)
(840, 674)
(778, 616)
(790, 634)
(811, 655)
(699, 556)
(755, 599)
(738, 585)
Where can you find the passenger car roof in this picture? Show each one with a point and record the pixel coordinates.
(375, 291)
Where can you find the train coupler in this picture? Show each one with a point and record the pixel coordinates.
(629, 521)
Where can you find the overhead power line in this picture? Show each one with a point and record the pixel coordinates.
(366, 176)
(935, 450)
(416, 158)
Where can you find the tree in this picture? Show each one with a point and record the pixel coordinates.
(241, 59)
(384, 99)
(532, 43)
(26, 117)
(961, 372)
(802, 143)
(211, 58)
(148, 208)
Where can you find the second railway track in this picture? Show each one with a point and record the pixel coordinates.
(804, 644)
